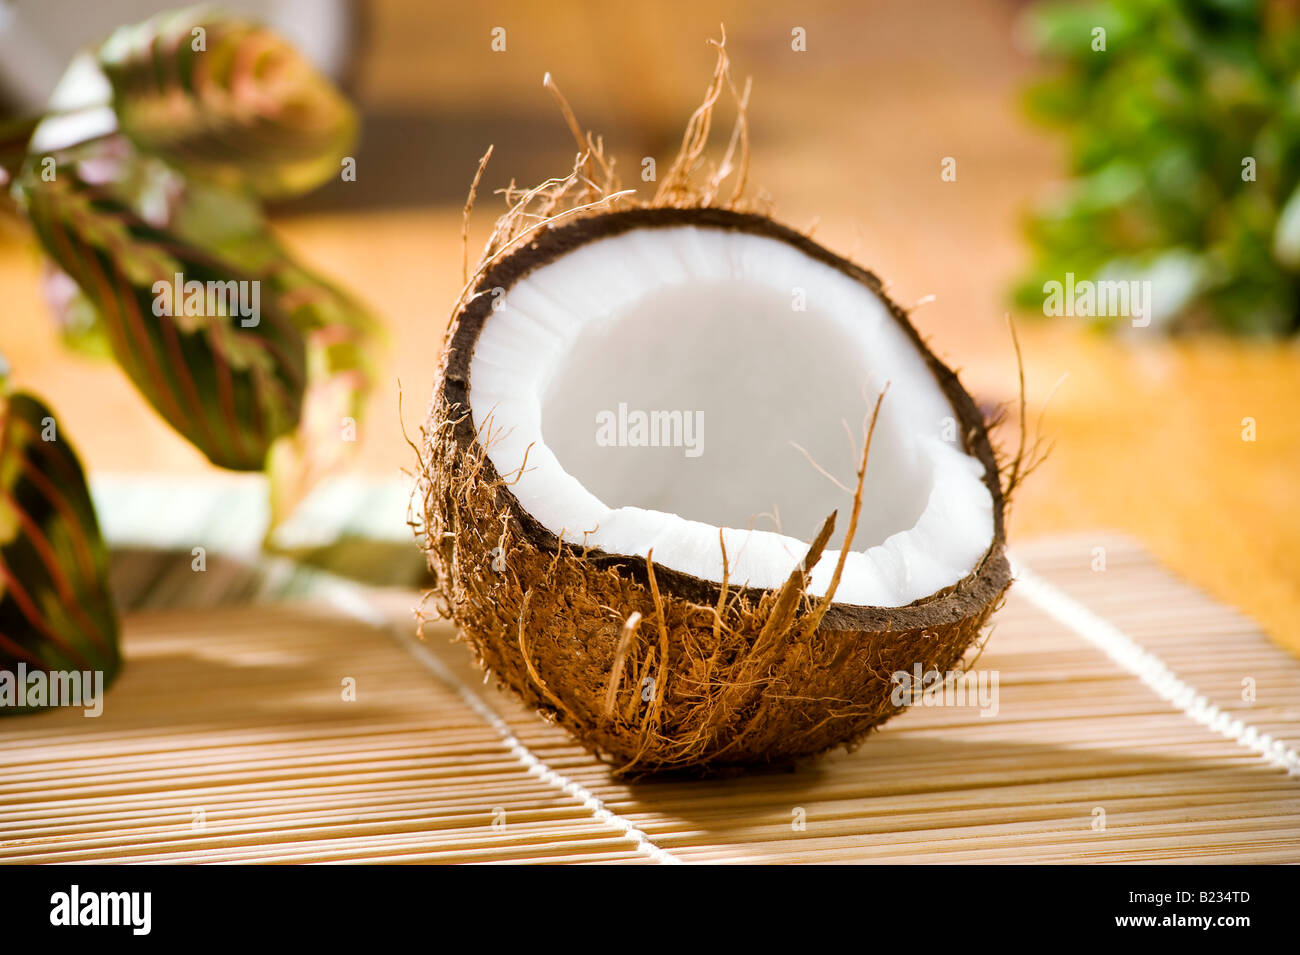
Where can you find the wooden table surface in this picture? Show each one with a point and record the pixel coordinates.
(1147, 432)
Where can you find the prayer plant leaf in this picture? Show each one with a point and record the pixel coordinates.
(56, 610)
(229, 99)
(219, 360)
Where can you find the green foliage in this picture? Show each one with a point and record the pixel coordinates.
(56, 611)
(148, 178)
(229, 100)
(230, 390)
(209, 116)
(1184, 144)
(340, 335)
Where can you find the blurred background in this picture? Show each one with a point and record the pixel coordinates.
(852, 135)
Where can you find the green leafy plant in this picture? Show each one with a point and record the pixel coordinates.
(151, 167)
(1183, 124)
(227, 100)
(228, 389)
(143, 184)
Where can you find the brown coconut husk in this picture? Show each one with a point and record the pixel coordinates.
(648, 667)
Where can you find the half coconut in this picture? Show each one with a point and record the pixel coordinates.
(646, 427)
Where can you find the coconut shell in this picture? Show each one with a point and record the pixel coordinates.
(709, 675)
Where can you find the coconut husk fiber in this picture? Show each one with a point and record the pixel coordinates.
(650, 668)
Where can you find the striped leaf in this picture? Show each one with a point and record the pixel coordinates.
(228, 99)
(56, 611)
(230, 385)
(343, 339)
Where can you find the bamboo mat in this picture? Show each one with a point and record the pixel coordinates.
(1122, 735)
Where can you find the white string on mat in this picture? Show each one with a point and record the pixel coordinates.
(1154, 673)
(349, 601)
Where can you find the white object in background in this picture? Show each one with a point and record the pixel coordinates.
(38, 38)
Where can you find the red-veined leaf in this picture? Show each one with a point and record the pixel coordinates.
(56, 610)
(228, 99)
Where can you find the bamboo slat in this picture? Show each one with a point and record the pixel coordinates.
(229, 739)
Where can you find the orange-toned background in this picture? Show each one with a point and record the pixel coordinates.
(850, 134)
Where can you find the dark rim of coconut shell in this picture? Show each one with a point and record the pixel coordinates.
(969, 596)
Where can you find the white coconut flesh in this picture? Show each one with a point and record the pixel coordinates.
(742, 358)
